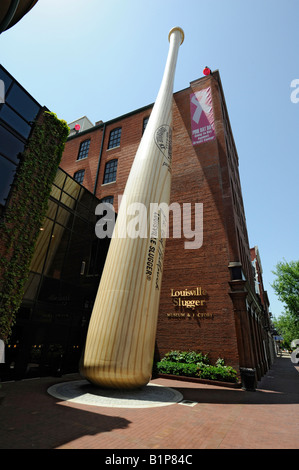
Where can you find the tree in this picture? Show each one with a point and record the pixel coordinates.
(288, 327)
(286, 286)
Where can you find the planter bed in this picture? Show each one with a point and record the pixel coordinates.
(198, 380)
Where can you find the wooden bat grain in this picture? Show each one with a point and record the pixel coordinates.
(121, 335)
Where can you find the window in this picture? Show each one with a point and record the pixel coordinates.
(15, 121)
(83, 150)
(108, 199)
(110, 171)
(10, 146)
(79, 176)
(145, 121)
(22, 103)
(114, 138)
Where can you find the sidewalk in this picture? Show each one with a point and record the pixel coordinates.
(217, 418)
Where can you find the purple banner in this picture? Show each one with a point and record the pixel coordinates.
(202, 116)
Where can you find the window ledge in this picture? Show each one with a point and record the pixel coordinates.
(113, 148)
(80, 159)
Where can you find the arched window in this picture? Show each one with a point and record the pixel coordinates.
(145, 121)
(83, 150)
(110, 171)
(114, 138)
(79, 176)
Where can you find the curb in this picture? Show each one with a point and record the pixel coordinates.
(201, 381)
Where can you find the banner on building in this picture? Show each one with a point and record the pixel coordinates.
(202, 116)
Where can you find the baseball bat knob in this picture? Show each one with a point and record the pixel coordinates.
(177, 28)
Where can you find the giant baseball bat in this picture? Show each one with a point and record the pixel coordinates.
(120, 341)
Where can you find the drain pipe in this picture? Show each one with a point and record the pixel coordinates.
(99, 162)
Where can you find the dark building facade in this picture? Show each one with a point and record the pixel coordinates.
(18, 110)
(208, 298)
(51, 323)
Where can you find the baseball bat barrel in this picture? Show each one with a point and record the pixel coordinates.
(121, 335)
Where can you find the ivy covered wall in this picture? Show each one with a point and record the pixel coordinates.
(25, 212)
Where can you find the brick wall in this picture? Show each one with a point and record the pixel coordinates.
(132, 126)
(206, 173)
(200, 175)
(69, 160)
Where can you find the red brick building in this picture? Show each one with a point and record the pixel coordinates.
(208, 299)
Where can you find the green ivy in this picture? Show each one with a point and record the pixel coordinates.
(25, 212)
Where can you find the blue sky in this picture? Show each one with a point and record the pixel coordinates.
(103, 59)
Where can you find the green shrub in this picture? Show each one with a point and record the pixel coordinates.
(177, 368)
(194, 364)
(221, 373)
(186, 357)
(219, 362)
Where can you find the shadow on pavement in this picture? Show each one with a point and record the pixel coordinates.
(279, 386)
(32, 419)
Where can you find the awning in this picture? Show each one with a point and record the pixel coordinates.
(12, 11)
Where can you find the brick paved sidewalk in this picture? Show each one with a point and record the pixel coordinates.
(219, 418)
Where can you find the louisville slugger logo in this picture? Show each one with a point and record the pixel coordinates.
(163, 140)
